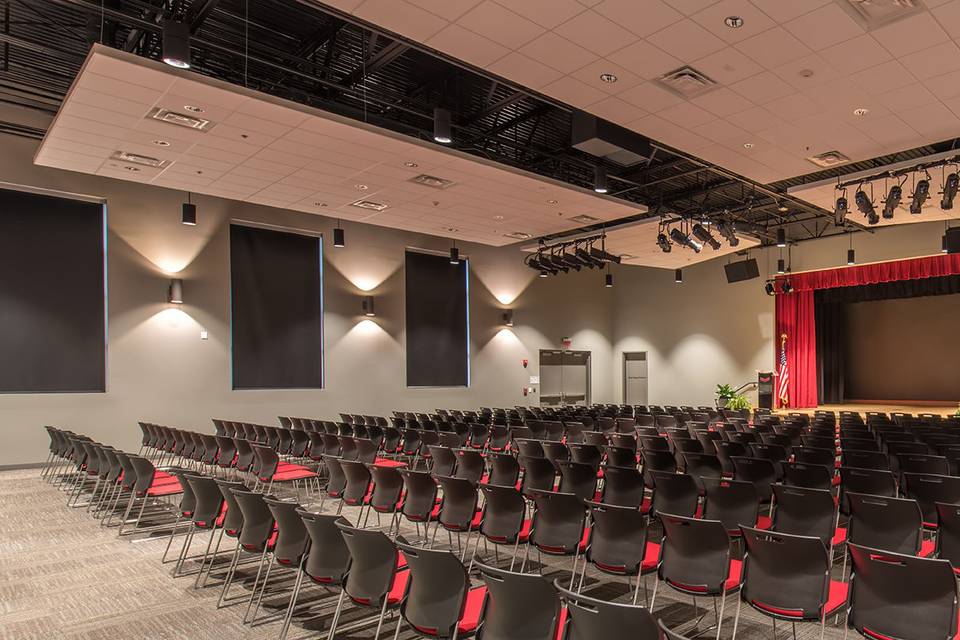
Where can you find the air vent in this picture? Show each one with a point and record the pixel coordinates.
(829, 159)
(135, 158)
(518, 235)
(369, 205)
(181, 119)
(875, 13)
(585, 219)
(686, 82)
(432, 181)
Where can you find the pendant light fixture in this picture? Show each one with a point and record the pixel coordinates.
(339, 240)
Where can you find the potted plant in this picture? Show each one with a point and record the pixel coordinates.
(738, 402)
(724, 393)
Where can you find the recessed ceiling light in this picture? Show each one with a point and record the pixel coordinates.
(498, 217)
(608, 77)
(319, 204)
(734, 22)
(805, 73)
(412, 165)
(861, 111)
(361, 187)
(161, 143)
(748, 145)
(553, 202)
(193, 109)
(134, 169)
(782, 208)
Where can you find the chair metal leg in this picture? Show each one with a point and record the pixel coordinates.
(653, 600)
(256, 581)
(230, 573)
(203, 560)
(293, 599)
(263, 589)
(723, 600)
(176, 524)
(336, 616)
(736, 618)
(213, 559)
(383, 613)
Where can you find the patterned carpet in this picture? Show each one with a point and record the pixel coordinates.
(63, 576)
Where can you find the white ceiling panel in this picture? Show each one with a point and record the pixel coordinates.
(785, 50)
(265, 150)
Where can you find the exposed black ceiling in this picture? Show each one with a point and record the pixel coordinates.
(303, 51)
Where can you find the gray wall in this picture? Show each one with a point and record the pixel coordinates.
(158, 368)
(704, 331)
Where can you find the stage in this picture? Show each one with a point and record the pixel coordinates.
(914, 408)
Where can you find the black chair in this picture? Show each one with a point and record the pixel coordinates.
(470, 465)
(539, 474)
(504, 470)
(803, 511)
(623, 457)
(734, 503)
(577, 478)
(438, 601)
(760, 471)
(558, 527)
(877, 482)
(787, 577)
(656, 460)
(586, 454)
(890, 524)
(419, 498)
(624, 487)
(803, 474)
(592, 619)
(504, 519)
(899, 596)
(675, 493)
(618, 544)
(948, 534)
(458, 509)
(928, 490)
(518, 606)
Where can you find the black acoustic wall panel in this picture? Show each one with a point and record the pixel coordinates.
(52, 318)
(742, 270)
(438, 351)
(276, 314)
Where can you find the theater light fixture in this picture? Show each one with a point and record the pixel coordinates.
(507, 317)
(678, 275)
(175, 291)
(728, 231)
(176, 44)
(600, 180)
(892, 202)
(188, 212)
(366, 306)
(770, 287)
(339, 241)
(786, 287)
(704, 236)
(781, 237)
(840, 210)
(682, 239)
(664, 243)
(865, 206)
(442, 127)
(950, 185)
(920, 194)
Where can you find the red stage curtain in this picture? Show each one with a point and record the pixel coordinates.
(796, 319)
(912, 269)
(795, 311)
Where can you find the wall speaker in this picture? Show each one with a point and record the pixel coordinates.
(742, 270)
(952, 240)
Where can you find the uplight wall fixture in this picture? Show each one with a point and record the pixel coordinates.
(507, 317)
(366, 306)
(175, 291)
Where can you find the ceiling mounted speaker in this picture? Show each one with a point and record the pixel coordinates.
(742, 270)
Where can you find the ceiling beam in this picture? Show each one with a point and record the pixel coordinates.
(379, 60)
(199, 12)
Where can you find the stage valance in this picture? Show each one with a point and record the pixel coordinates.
(910, 269)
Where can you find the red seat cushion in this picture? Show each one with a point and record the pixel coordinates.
(927, 547)
(646, 505)
(399, 587)
(836, 598)
(764, 522)
(166, 489)
(839, 536)
(292, 474)
(386, 462)
(651, 557)
(734, 573)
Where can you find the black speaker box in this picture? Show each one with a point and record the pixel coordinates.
(953, 239)
(742, 270)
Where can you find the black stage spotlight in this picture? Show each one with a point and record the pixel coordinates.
(571, 261)
(865, 205)
(950, 185)
(442, 128)
(729, 232)
(682, 239)
(892, 202)
(705, 236)
(588, 260)
(781, 237)
(664, 243)
(600, 180)
(781, 266)
(678, 275)
(920, 194)
(604, 255)
(786, 287)
(770, 288)
(840, 211)
(176, 44)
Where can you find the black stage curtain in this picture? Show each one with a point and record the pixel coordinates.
(830, 316)
(437, 330)
(52, 319)
(276, 309)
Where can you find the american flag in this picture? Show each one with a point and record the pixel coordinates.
(783, 375)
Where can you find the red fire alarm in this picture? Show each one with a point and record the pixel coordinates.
(525, 390)
(524, 362)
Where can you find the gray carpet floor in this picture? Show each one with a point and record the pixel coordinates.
(64, 576)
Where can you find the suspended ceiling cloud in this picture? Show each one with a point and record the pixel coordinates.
(239, 144)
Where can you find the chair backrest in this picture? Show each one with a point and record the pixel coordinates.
(675, 493)
(577, 478)
(804, 474)
(586, 454)
(373, 564)
(929, 489)
(387, 488)
(804, 511)
(656, 460)
(420, 495)
(233, 522)
(518, 606)
(948, 533)
(702, 465)
(529, 448)
(558, 522)
(504, 469)
(760, 471)
(503, 512)
(470, 465)
(732, 502)
(336, 479)
(784, 572)
(436, 592)
(695, 554)
(623, 487)
(208, 503)
(459, 504)
(444, 460)
(292, 538)
(258, 522)
(879, 522)
(901, 596)
(618, 538)
(538, 474)
(358, 481)
(592, 619)
(878, 482)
